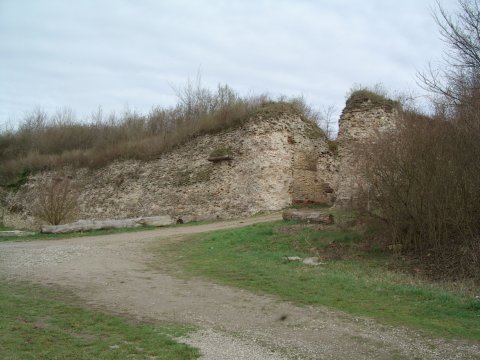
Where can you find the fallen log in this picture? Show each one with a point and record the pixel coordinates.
(88, 225)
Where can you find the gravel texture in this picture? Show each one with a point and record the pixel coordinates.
(112, 273)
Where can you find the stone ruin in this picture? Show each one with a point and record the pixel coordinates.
(267, 164)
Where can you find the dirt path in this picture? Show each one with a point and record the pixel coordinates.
(112, 273)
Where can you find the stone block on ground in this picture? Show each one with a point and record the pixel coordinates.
(162, 220)
(310, 216)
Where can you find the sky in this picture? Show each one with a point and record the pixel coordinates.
(133, 54)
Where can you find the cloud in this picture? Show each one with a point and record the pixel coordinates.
(88, 53)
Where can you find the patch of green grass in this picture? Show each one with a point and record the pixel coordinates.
(354, 278)
(40, 323)
(40, 236)
(341, 216)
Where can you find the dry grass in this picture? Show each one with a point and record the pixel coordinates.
(45, 141)
(364, 97)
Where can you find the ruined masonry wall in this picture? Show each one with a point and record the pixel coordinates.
(274, 164)
(277, 161)
(359, 124)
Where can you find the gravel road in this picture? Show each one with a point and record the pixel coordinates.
(112, 273)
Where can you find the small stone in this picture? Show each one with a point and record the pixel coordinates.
(313, 261)
(293, 258)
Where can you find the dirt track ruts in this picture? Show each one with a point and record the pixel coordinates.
(111, 272)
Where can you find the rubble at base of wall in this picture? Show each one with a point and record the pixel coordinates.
(309, 216)
(88, 225)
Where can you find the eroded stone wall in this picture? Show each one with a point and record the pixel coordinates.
(361, 122)
(273, 163)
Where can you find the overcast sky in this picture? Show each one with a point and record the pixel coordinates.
(126, 53)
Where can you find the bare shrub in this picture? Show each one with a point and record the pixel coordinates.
(423, 180)
(423, 186)
(55, 200)
(326, 120)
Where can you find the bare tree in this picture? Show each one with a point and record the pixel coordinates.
(458, 77)
(424, 178)
(327, 121)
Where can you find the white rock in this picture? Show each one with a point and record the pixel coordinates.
(293, 258)
(313, 261)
